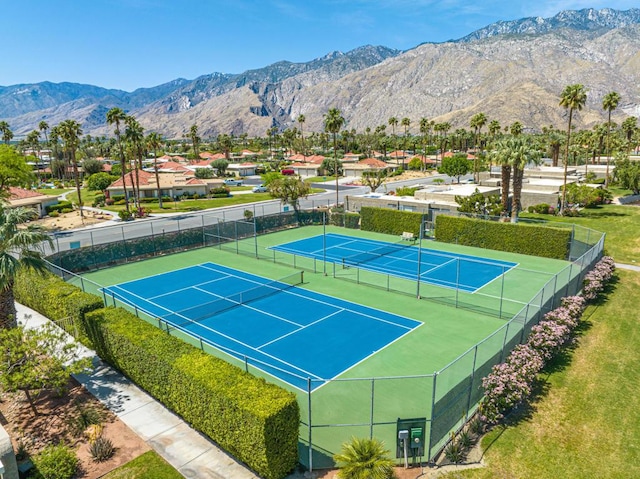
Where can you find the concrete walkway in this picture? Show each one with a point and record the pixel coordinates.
(188, 451)
(630, 267)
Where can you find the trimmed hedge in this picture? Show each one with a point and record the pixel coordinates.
(513, 237)
(253, 420)
(393, 222)
(52, 297)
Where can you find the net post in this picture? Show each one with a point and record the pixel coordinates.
(372, 400)
(324, 242)
(255, 231)
(457, 280)
(301, 276)
(501, 292)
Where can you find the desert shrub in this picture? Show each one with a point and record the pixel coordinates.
(83, 417)
(101, 449)
(54, 214)
(125, 215)
(55, 462)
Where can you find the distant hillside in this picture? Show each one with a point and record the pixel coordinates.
(509, 70)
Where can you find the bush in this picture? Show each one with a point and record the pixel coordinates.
(120, 202)
(542, 209)
(55, 462)
(384, 220)
(98, 200)
(66, 210)
(253, 420)
(54, 214)
(109, 201)
(125, 215)
(64, 204)
(543, 241)
(101, 449)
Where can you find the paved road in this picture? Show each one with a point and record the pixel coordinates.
(172, 222)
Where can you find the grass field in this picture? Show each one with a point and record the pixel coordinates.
(147, 466)
(446, 334)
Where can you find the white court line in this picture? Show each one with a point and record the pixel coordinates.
(196, 286)
(298, 330)
(373, 353)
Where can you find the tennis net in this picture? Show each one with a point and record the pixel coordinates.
(364, 257)
(197, 313)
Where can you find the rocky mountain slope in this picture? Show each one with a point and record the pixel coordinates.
(509, 70)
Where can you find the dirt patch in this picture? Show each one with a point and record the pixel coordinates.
(57, 421)
(69, 221)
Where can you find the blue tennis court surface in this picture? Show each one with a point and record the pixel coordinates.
(465, 272)
(288, 332)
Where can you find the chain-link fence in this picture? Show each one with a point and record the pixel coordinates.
(368, 407)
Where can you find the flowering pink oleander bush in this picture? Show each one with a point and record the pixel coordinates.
(511, 382)
(596, 279)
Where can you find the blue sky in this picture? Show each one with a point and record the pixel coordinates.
(127, 44)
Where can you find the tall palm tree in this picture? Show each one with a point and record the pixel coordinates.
(406, 122)
(516, 128)
(7, 134)
(195, 140)
(116, 116)
(364, 459)
(477, 122)
(154, 142)
(21, 246)
(500, 155)
(573, 97)
(70, 132)
(43, 126)
(521, 151)
(425, 128)
(134, 134)
(333, 123)
(301, 120)
(393, 122)
(609, 103)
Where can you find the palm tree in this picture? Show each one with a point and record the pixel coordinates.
(477, 122)
(573, 97)
(425, 128)
(516, 128)
(406, 122)
(43, 126)
(114, 117)
(364, 459)
(333, 122)
(134, 133)
(501, 156)
(301, 120)
(70, 132)
(21, 246)
(154, 141)
(195, 140)
(7, 134)
(609, 103)
(521, 151)
(393, 122)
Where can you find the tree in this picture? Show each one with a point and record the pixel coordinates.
(70, 133)
(220, 165)
(115, 116)
(477, 122)
(21, 246)
(499, 154)
(289, 190)
(225, 143)
(573, 97)
(331, 167)
(364, 459)
(521, 152)
(195, 140)
(478, 204)
(204, 173)
(134, 134)
(91, 167)
(374, 179)
(100, 181)
(38, 359)
(301, 120)
(14, 170)
(333, 123)
(7, 134)
(627, 173)
(393, 122)
(43, 126)
(425, 128)
(455, 166)
(154, 141)
(609, 103)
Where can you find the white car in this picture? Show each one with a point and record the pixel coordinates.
(260, 189)
(232, 182)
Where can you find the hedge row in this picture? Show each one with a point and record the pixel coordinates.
(99, 256)
(513, 237)
(393, 222)
(55, 299)
(253, 420)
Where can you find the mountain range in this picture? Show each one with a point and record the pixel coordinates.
(511, 71)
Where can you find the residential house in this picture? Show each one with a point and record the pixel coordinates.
(19, 197)
(171, 184)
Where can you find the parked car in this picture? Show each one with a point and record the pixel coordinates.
(232, 182)
(260, 189)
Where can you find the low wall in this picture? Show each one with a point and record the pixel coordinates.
(7, 456)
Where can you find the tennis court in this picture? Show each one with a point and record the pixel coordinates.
(404, 260)
(275, 326)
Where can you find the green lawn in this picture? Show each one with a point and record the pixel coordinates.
(586, 424)
(53, 191)
(147, 466)
(620, 223)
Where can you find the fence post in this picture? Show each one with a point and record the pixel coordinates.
(309, 421)
(433, 406)
(473, 375)
(372, 400)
